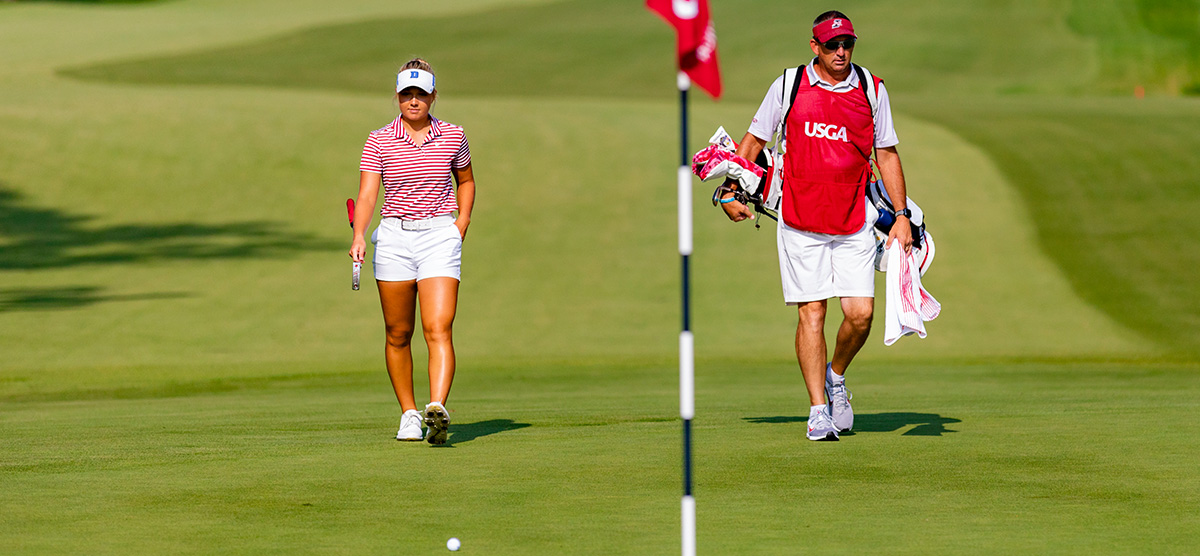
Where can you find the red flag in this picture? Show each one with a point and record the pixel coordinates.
(696, 44)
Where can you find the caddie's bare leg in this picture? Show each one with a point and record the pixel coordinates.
(853, 332)
(811, 349)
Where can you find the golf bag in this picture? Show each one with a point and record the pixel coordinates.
(880, 203)
(754, 179)
(765, 194)
(760, 184)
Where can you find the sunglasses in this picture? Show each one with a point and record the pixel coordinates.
(834, 45)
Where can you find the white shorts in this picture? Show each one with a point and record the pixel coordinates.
(820, 266)
(403, 253)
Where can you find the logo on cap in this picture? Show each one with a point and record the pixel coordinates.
(837, 23)
(412, 75)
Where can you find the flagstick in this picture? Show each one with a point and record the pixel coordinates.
(687, 407)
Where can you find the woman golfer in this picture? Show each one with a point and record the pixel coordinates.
(418, 244)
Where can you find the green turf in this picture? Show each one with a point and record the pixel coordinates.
(1112, 185)
(1154, 44)
(611, 50)
(582, 459)
(183, 368)
(1108, 47)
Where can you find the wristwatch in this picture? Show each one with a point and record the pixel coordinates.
(905, 212)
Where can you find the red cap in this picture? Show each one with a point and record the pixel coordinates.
(826, 30)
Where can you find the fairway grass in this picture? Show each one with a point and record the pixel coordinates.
(1111, 184)
(184, 368)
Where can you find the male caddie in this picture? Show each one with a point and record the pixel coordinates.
(826, 247)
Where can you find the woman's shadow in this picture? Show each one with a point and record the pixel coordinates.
(466, 432)
(927, 424)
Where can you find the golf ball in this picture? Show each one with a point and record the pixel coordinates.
(453, 544)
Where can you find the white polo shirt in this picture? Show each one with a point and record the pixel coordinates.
(766, 120)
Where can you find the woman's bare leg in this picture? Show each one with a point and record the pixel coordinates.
(439, 301)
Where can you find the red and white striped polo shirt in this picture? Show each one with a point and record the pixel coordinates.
(417, 181)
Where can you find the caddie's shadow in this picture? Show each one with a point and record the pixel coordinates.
(467, 432)
(926, 424)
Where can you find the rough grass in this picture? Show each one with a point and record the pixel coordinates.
(1152, 44)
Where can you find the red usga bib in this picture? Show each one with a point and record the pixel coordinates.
(827, 163)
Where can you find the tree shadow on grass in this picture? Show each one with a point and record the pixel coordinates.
(33, 238)
(49, 299)
(467, 432)
(48, 238)
(927, 424)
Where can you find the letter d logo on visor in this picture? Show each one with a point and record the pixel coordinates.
(420, 79)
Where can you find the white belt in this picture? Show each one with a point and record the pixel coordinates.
(426, 223)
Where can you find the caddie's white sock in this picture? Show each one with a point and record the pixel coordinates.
(832, 376)
(812, 411)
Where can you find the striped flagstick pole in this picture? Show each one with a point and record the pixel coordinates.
(696, 51)
(687, 407)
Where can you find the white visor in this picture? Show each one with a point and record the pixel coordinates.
(420, 79)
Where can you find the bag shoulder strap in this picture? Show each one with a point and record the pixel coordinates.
(791, 84)
(866, 82)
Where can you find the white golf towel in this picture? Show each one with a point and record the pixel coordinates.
(908, 304)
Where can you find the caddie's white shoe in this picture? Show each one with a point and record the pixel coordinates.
(410, 427)
(437, 420)
(820, 427)
(839, 401)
